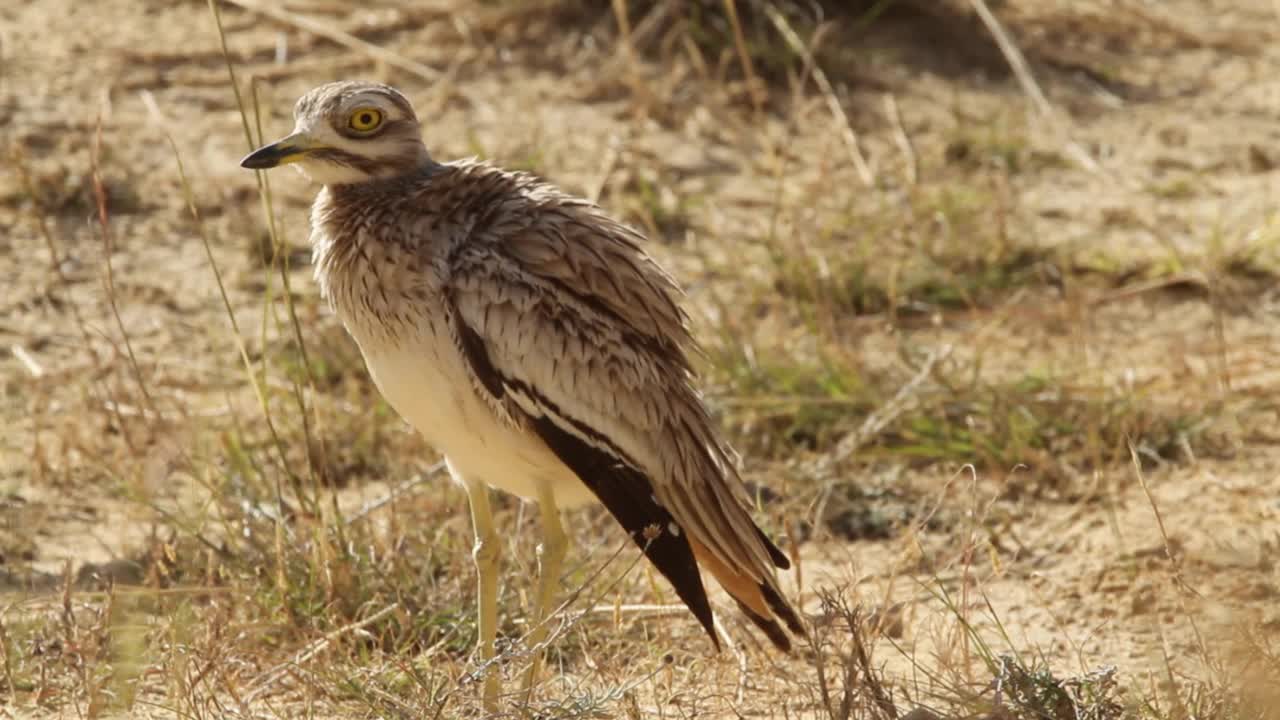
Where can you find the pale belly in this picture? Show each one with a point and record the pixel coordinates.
(434, 395)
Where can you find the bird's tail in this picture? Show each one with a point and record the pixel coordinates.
(761, 602)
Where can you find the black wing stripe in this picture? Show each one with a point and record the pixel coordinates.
(627, 495)
(780, 608)
(778, 557)
(624, 491)
(770, 628)
(472, 346)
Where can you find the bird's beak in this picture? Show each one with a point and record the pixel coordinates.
(282, 152)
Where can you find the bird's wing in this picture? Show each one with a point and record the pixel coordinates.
(573, 332)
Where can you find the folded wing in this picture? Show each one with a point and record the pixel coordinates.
(572, 332)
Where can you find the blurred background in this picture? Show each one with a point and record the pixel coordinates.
(987, 290)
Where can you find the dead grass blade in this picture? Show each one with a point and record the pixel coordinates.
(108, 250)
(346, 39)
(883, 416)
(755, 87)
(902, 139)
(267, 679)
(57, 259)
(1022, 71)
(838, 114)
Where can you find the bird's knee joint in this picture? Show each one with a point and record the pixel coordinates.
(485, 551)
(553, 546)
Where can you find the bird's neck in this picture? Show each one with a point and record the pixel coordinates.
(388, 178)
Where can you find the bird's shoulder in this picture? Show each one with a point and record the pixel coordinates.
(563, 254)
(573, 331)
(407, 227)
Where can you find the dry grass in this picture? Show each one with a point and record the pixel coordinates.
(1011, 412)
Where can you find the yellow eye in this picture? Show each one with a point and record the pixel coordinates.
(365, 119)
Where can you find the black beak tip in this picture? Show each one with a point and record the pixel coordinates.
(258, 160)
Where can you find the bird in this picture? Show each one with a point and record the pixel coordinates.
(532, 341)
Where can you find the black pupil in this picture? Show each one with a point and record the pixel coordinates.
(366, 119)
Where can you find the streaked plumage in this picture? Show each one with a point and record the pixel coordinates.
(531, 340)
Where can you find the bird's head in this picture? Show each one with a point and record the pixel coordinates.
(346, 133)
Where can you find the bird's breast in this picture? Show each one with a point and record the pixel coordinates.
(390, 301)
(427, 383)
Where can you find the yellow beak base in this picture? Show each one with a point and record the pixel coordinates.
(282, 152)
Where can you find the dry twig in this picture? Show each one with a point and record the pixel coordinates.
(882, 416)
(847, 133)
(1022, 71)
(903, 140)
(269, 678)
(397, 491)
(28, 360)
(755, 88)
(346, 39)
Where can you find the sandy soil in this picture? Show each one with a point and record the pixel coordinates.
(1182, 129)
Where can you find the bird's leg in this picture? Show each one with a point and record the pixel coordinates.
(486, 557)
(550, 558)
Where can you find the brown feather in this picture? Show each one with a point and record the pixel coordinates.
(491, 300)
(759, 602)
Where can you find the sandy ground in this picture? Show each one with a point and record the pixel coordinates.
(1183, 132)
